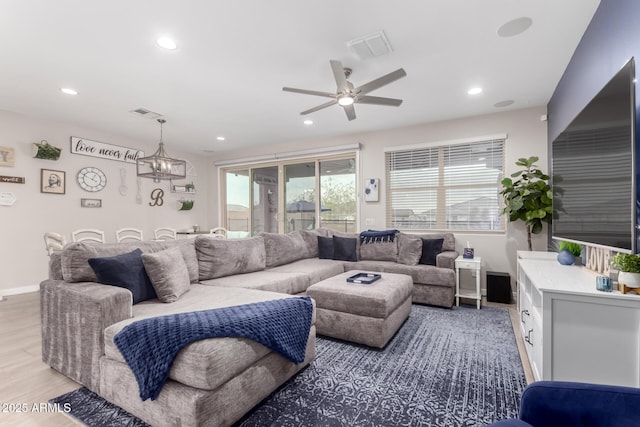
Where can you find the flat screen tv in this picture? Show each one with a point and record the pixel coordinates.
(593, 170)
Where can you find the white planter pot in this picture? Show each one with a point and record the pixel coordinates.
(631, 280)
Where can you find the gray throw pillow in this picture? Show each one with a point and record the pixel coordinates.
(226, 257)
(409, 249)
(283, 248)
(168, 273)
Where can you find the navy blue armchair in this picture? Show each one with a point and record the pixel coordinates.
(568, 404)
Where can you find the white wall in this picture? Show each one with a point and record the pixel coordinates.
(23, 259)
(527, 136)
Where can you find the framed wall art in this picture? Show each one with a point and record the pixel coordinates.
(371, 190)
(52, 181)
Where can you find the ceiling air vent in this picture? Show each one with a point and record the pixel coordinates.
(147, 114)
(371, 45)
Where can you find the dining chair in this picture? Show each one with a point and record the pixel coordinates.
(129, 233)
(54, 242)
(164, 233)
(218, 232)
(88, 234)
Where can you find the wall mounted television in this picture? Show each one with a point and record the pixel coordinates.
(593, 170)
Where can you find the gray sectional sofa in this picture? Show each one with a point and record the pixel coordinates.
(214, 381)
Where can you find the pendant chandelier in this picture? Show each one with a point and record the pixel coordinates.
(160, 165)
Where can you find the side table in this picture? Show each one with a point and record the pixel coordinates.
(469, 264)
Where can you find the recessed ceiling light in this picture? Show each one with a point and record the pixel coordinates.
(474, 90)
(482, 158)
(68, 91)
(504, 103)
(220, 138)
(515, 27)
(166, 43)
(308, 122)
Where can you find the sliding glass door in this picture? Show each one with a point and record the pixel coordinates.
(300, 194)
(265, 200)
(315, 193)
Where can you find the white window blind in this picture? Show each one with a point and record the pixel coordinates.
(447, 187)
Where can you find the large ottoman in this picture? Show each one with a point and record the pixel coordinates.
(366, 314)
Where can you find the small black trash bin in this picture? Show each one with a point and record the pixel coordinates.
(498, 287)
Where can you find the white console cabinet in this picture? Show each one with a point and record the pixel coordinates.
(573, 332)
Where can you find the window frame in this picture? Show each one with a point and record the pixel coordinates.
(441, 188)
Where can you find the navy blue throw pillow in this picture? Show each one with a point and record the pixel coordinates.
(325, 247)
(344, 248)
(126, 271)
(430, 249)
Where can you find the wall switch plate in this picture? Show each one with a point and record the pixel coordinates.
(370, 221)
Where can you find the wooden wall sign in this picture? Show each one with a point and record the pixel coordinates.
(102, 150)
(12, 179)
(7, 157)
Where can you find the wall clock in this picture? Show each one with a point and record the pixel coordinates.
(92, 179)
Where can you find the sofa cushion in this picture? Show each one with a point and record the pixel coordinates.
(325, 247)
(316, 269)
(224, 257)
(168, 273)
(310, 237)
(430, 250)
(205, 364)
(283, 248)
(75, 256)
(344, 248)
(421, 274)
(125, 271)
(266, 280)
(409, 249)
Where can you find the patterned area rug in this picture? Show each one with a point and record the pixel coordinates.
(456, 367)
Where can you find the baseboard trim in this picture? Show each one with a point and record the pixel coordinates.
(16, 291)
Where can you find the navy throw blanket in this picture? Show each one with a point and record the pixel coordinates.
(377, 236)
(150, 345)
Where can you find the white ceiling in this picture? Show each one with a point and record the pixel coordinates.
(234, 57)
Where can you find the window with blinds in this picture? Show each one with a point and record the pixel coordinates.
(447, 187)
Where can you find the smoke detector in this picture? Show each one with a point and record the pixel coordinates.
(374, 44)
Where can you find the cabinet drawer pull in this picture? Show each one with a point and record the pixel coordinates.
(523, 312)
(528, 338)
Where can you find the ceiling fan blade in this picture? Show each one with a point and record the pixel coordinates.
(351, 112)
(338, 74)
(320, 107)
(381, 81)
(309, 92)
(376, 100)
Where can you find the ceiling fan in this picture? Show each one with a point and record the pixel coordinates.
(346, 95)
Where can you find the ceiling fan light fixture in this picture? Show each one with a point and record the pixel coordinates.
(159, 165)
(345, 100)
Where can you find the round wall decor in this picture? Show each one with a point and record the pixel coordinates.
(92, 179)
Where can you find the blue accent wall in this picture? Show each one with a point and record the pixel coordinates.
(611, 39)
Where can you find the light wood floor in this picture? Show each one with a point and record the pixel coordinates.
(26, 380)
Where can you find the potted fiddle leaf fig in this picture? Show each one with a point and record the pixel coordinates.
(629, 266)
(529, 197)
